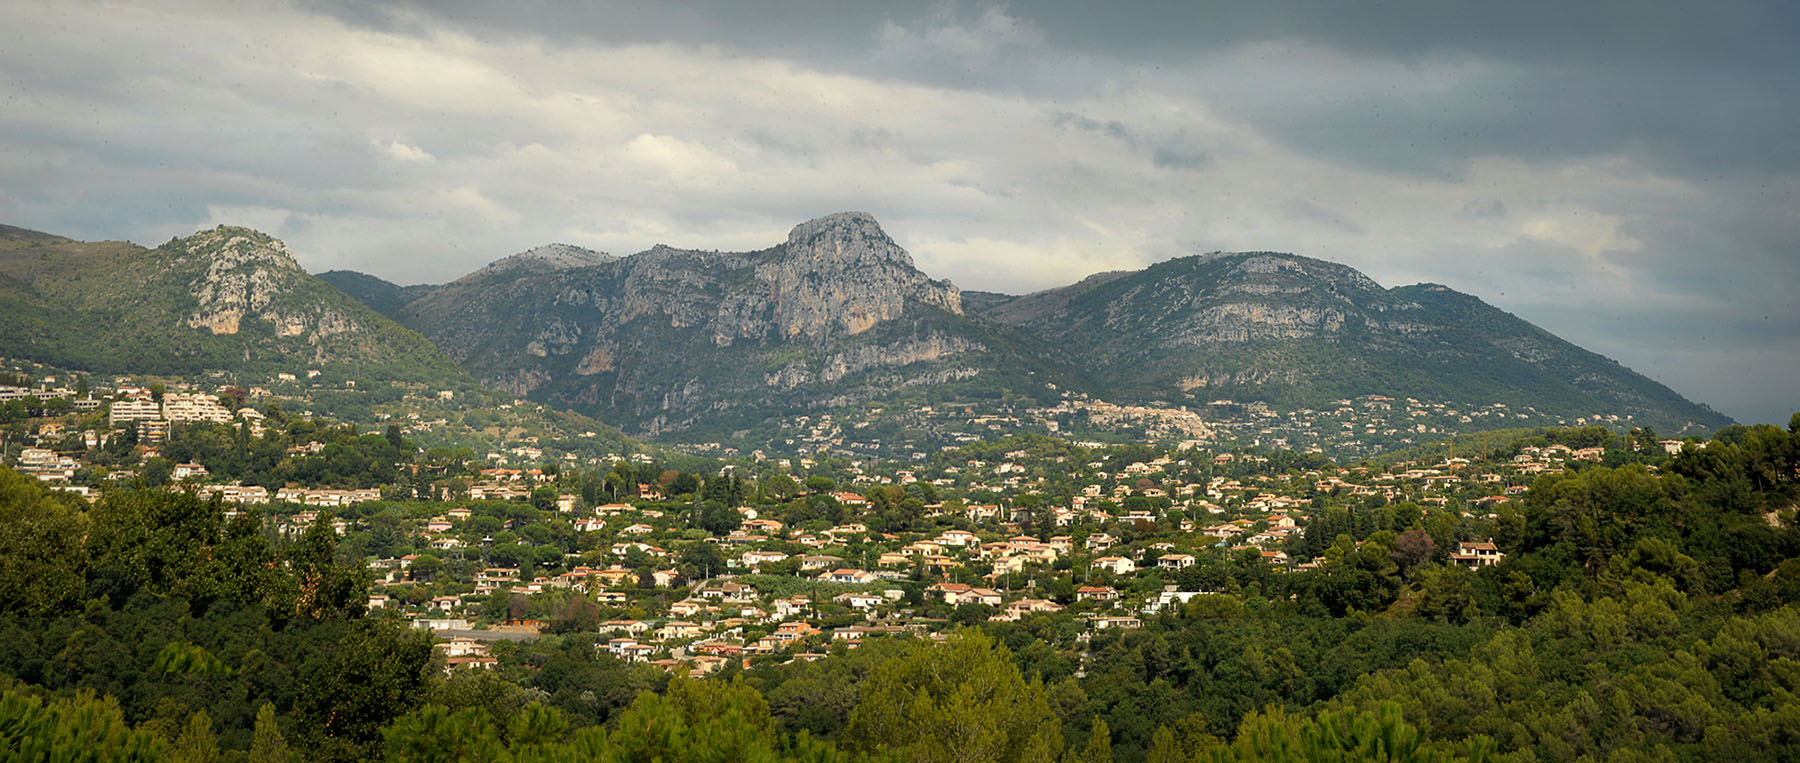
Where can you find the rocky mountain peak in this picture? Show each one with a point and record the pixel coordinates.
(844, 240)
(238, 273)
(227, 248)
(842, 274)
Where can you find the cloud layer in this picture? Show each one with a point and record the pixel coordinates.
(1621, 174)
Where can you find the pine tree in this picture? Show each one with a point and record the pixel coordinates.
(266, 744)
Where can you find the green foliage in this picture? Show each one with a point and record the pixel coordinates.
(1380, 734)
(42, 559)
(79, 729)
(266, 743)
(963, 699)
(378, 673)
(189, 658)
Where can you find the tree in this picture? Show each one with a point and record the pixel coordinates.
(266, 744)
(697, 720)
(1099, 745)
(715, 517)
(326, 588)
(377, 673)
(780, 487)
(700, 560)
(196, 743)
(1412, 548)
(43, 562)
(81, 728)
(425, 567)
(962, 700)
(1447, 595)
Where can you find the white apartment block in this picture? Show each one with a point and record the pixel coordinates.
(134, 410)
(197, 406)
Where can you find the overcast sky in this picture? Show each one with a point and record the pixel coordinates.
(1622, 173)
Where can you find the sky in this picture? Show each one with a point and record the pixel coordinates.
(1622, 173)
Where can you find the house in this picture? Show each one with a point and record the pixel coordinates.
(678, 629)
(1118, 565)
(791, 607)
(785, 635)
(848, 575)
(462, 646)
(613, 576)
(1122, 621)
(1018, 609)
(631, 627)
(958, 538)
(1096, 593)
(1175, 561)
(819, 562)
(1476, 554)
(855, 633)
(629, 649)
(769, 526)
(452, 664)
(758, 557)
(863, 601)
(1170, 598)
(688, 607)
(956, 594)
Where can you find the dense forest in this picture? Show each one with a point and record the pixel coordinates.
(1642, 611)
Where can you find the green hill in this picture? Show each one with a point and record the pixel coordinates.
(227, 298)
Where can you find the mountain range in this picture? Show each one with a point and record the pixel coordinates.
(682, 342)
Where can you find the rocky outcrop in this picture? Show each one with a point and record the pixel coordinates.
(841, 273)
(241, 274)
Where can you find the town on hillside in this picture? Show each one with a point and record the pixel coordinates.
(690, 564)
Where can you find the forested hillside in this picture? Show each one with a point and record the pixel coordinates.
(1649, 608)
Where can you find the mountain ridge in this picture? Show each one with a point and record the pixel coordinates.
(1276, 327)
(684, 342)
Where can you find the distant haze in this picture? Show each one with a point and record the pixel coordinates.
(1621, 173)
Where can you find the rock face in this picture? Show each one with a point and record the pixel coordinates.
(226, 298)
(842, 273)
(659, 340)
(243, 274)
